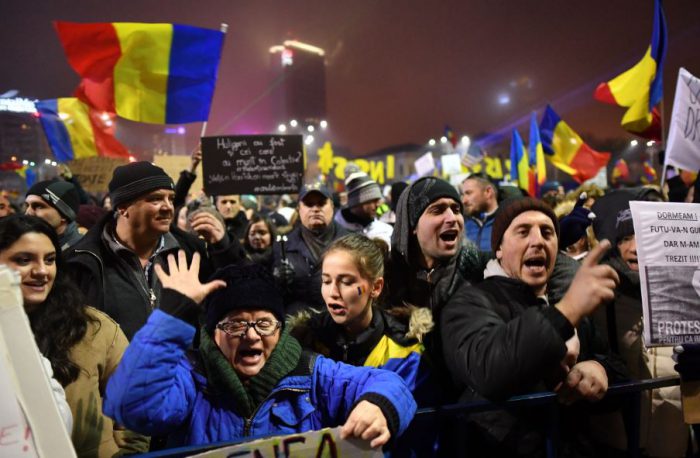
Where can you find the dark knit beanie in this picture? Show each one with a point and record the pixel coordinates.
(60, 194)
(509, 209)
(360, 187)
(574, 225)
(133, 180)
(249, 287)
(426, 191)
(624, 225)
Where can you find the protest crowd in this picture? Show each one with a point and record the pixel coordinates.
(169, 316)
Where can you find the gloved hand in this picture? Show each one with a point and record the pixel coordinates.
(284, 273)
(688, 358)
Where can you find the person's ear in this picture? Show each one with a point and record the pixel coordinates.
(377, 287)
(499, 254)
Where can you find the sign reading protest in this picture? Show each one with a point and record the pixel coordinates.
(668, 242)
(323, 443)
(254, 164)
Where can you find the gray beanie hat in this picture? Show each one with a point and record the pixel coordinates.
(360, 187)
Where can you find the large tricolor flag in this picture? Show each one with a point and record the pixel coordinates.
(73, 131)
(519, 164)
(641, 87)
(565, 149)
(538, 168)
(154, 73)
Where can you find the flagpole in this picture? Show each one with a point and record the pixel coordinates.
(223, 29)
(663, 143)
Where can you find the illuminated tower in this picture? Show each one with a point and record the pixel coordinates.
(301, 71)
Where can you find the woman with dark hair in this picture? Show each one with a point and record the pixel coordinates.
(83, 345)
(259, 236)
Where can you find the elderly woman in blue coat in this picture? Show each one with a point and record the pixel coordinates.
(249, 377)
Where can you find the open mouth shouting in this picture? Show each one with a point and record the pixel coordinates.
(449, 236)
(535, 264)
(337, 309)
(250, 356)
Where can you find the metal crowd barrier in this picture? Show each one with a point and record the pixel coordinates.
(632, 415)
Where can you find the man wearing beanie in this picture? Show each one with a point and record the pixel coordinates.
(360, 212)
(113, 264)
(502, 337)
(56, 202)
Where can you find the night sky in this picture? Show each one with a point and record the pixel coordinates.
(397, 71)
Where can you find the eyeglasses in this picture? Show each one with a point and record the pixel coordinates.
(263, 327)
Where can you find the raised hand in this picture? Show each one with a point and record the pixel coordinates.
(208, 226)
(367, 422)
(593, 285)
(185, 280)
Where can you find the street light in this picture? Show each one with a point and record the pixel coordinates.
(309, 139)
(634, 143)
(310, 128)
(431, 142)
(282, 128)
(293, 123)
(466, 140)
(650, 143)
(443, 139)
(323, 124)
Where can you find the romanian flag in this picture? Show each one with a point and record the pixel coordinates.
(450, 135)
(565, 149)
(155, 73)
(538, 168)
(641, 87)
(620, 171)
(649, 172)
(519, 164)
(73, 131)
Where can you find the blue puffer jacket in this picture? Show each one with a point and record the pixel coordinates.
(155, 390)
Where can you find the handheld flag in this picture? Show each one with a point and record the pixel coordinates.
(73, 131)
(519, 164)
(154, 73)
(649, 173)
(641, 87)
(450, 135)
(620, 171)
(565, 149)
(537, 165)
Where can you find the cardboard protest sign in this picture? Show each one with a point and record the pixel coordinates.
(253, 164)
(173, 165)
(668, 251)
(323, 443)
(94, 173)
(37, 428)
(451, 164)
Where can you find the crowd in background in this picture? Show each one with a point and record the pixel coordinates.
(168, 317)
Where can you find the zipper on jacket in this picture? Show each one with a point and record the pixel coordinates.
(247, 422)
(152, 297)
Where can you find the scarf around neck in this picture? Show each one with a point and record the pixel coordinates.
(224, 380)
(317, 241)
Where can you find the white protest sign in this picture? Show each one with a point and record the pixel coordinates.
(21, 360)
(425, 164)
(451, 164)
(668, 250)
(683, 144)
(323, 443)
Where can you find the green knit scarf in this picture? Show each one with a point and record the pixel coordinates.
(223, 380)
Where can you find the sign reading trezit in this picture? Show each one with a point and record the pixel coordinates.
(252, 164)
(668, 251)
